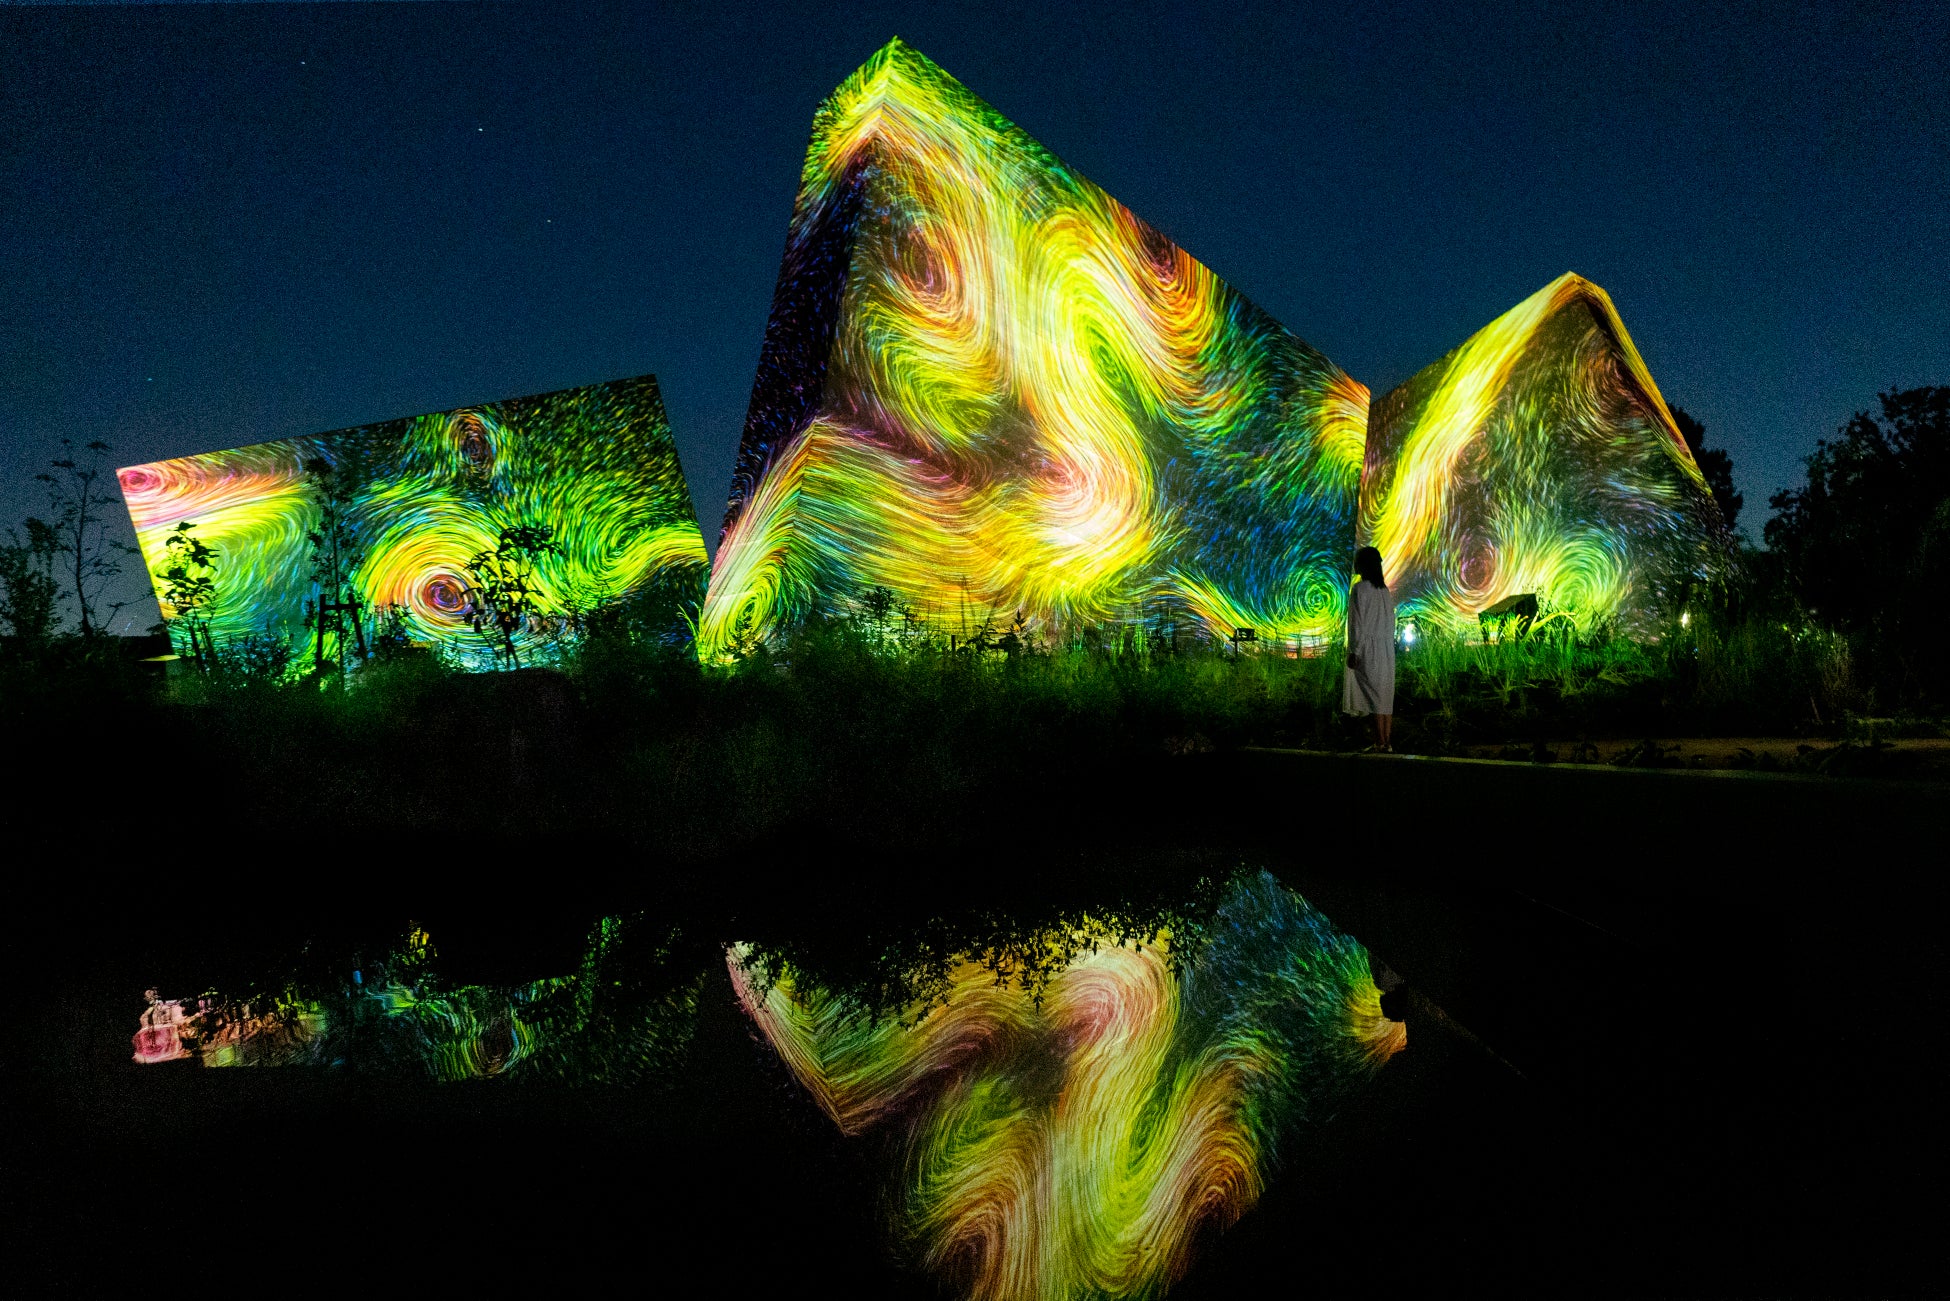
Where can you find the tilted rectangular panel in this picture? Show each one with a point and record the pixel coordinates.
(596, 466)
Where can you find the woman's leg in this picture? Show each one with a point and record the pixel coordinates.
(1375, 722)
(1385, 730)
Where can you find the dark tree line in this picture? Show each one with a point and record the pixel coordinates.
(1864, 544)
(1862, 547)
(69, 558)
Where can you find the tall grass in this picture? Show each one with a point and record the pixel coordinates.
(843, 727)
(1708, 674)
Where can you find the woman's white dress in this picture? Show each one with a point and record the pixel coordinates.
(1370, 689)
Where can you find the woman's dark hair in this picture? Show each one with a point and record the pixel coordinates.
(1367, 563)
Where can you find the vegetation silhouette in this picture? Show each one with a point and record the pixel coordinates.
(504, 597)
(80, 494)
(1863, 546)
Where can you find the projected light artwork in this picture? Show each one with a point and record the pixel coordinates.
(418, 515)
(1538, 458)
(598, 1025)
(994, 392)
(1076, 1146)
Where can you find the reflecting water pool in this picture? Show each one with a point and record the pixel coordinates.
(620, 1018)
(1067, 1114)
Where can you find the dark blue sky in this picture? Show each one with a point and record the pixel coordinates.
(221, 224)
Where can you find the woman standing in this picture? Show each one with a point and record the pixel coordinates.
(1368, 687)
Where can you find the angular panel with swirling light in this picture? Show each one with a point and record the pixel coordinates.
(595, 465)
(990, 389)
(1540, 458)
(1076, 1143)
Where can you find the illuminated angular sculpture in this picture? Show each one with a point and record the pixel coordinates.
(991, 390)
(421, 501)
(1538, 458)
(1079, 1143)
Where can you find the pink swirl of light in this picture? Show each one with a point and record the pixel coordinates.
(163, 493)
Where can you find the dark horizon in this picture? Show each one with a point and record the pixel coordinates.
(237, 223)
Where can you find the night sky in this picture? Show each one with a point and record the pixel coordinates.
(221, 224)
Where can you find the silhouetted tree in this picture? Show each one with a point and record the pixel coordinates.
(29, 596)
(1715, 464)
(1865, 544)
(78, 496)
(505, 596)
(189, 584)
(335, 552)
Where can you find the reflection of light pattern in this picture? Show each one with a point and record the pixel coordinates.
(1076, 1147)
(160, 1037)
(217, 1032)
(1538, 457)
(457, 1035)
(596, 464)
(564, 1027)
(989, 388)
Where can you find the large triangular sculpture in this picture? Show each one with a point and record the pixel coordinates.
(992, 392)
(1538, 458)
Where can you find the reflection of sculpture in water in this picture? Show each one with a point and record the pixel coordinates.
(1076, 1144)
(617, 1020)
(217, 1032)
(159, 1038)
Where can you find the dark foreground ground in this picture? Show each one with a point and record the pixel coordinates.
(1670, 1033)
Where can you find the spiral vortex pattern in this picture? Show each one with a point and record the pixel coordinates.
(1540, 458)
(989, 387)
(595, 465)
(1078, 1145)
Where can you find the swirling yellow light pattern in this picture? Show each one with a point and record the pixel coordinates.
(597, 465)
(989, 388)
(1539, 457)
(1077, 1146)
